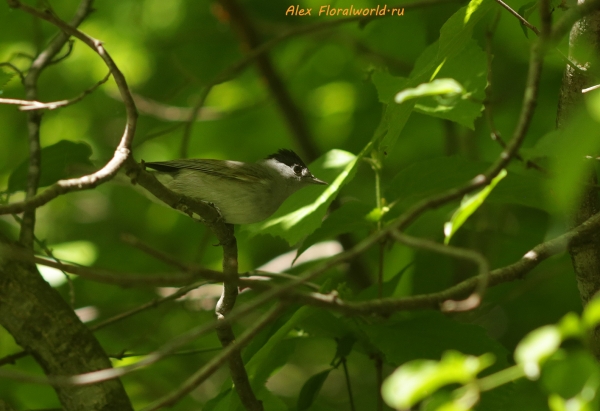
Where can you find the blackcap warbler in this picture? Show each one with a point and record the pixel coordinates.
(243, 193)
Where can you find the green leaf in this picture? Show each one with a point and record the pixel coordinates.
(59, 161)
(438, 87)
(536, 347)
(344, 347)
(428, 177)
(387, 85)
(569, 374)
(568, 150)
(525, 11)
(571, 327)
(387, 288)
(259, 367)
(417, 379)
(591, 314)
(302, 213)
(431, 334)
(5, 77)
(469, 204)
(348, 218)
(311, 389)
(454, 36)
(469, 68)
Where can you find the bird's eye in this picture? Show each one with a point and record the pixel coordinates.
(298, 170)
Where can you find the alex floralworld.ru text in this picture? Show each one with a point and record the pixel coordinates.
(347, 11)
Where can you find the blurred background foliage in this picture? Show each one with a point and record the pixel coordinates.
(168, 50)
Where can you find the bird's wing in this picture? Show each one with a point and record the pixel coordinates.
(232, 170)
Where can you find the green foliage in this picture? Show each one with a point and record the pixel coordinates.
(311, 389)
(443, 87)
(469, 204)
(5, 77)
(454, 36)
(570, 378)
(59, 161)
(401, 95)
(302, 213)
(416, 379)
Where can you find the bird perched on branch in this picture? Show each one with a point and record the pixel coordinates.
(243, 193)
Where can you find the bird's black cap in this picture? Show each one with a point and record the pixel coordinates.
(287, 157)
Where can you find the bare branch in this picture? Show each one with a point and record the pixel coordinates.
(151, 304)
(519, 17)
(29, 105)
(476, 296)
(242, 64)
(122, 151)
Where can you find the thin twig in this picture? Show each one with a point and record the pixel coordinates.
(15, 69)
(290, 111)
(495, 134)
(163, 352)
(29, 105)
(564, 24)
(172, 113)
(159, 255)
(348, 384)
(120, 356)
(243, 63)
(379, 380)
(385, 306)
(34, 119)
(122, 151)
(150, 304)
(519, 17)
(10, 359)
(225, 332)
(587, 90)
(231, 350)
(473, 300)
(70, 43)
(194, 113)
(141, 140)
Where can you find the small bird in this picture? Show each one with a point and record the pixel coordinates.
(244, 193)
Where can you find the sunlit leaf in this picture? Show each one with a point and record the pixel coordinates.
(439, 87)
(536, 347)
(591, 314)
(415, 380)
(570, 326)
(454, 36)
(469, 204)
(571, 373)
(302, 213)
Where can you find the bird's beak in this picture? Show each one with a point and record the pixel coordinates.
(315, 180)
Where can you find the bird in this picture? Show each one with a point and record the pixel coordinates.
(243, 193)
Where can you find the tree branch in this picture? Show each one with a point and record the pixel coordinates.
(30, 105)
(122, 151)
(287, 106)
(461, 253)
(208, 369)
